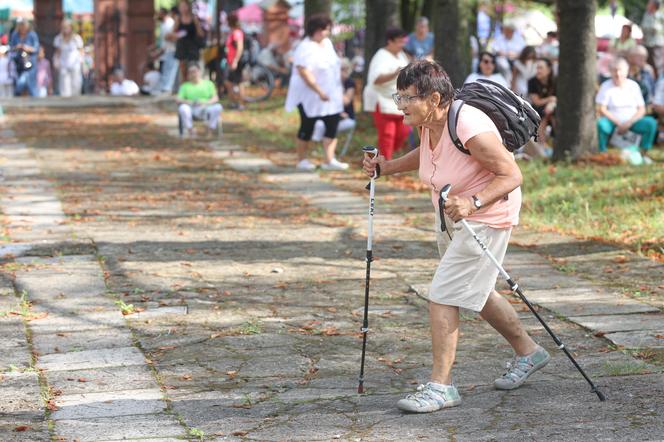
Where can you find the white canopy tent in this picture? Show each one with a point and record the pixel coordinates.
(609, 27)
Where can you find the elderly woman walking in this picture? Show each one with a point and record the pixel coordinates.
(485, 192)
(68, 60)
(316, 91)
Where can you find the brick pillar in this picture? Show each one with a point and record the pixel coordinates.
(123, 31)
(48, 17)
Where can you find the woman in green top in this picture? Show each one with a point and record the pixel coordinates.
(621, 45)
(197, 98)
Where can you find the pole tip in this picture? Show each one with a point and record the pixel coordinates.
(360, 389)
(600, 395)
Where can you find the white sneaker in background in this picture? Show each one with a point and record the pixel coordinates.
(334, 165)
(647, 160)
(305, 165)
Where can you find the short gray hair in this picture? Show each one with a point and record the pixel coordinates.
(422, 21)
(619, 63)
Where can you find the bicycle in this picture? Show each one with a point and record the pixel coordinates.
(257, 82)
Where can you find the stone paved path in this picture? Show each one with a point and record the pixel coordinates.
(245, 285)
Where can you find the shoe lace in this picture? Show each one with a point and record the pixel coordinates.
(517, 367)
(424, 395)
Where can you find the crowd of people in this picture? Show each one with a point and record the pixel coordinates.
(320, 78)
(25, 70)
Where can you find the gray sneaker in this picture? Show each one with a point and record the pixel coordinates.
(520, 368)
(427, 398)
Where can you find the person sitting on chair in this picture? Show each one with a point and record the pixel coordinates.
(197, 98)
(621, 108)
(347, 122)
(122, 86)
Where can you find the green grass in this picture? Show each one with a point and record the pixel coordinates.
(125, 308)
(251, 328)
(625, 368)
(195, 432)
(620, 204)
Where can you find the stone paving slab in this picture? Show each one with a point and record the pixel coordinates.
(596, 305)
(638, 339)
(620, 323)
(143, 426)
(110, 357)
(94, 339)
(21, 428)
(159, 311)
(55, 323)
(64, 284)
(14, 250)
(20, 393)
(98, 380)
(109, 404)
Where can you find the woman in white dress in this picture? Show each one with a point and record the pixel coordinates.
(315, 90)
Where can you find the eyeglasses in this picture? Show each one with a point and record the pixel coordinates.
(487, 60)
(404, 99)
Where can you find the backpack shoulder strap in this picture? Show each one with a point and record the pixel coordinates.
(452, 120)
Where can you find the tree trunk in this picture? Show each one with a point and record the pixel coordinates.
(451, 40)
(312, 7)
(575, 114)
(374, 39)
(408, 14)
(427, 10)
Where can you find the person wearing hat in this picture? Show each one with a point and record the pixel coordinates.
(24, 45)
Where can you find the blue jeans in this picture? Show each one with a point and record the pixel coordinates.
(27, 80)
(169, 72)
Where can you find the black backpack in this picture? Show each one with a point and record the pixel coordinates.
(514, 117)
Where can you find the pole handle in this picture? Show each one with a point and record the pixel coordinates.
(372, 152)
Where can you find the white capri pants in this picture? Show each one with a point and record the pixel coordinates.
(210, 113)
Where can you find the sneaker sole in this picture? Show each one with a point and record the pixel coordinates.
(407, 408)
(525, 378)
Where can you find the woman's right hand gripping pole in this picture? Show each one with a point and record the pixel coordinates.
(372, 161)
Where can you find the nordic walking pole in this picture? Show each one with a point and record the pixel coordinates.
(444, 192)
(373, 152)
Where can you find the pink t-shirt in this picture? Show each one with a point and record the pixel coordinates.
(446, 164)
